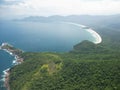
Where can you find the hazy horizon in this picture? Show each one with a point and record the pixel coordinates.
(24, 8)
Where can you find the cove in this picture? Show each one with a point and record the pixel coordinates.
(39, 37)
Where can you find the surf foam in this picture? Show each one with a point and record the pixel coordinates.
(97, 37)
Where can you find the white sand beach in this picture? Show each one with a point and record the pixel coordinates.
(97, 37)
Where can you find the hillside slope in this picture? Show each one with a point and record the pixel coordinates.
(68, 71)
(86, 67)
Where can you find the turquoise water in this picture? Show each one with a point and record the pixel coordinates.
(35, 36)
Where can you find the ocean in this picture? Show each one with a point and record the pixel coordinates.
(38, 37)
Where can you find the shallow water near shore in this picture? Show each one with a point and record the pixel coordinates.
(5, 62)
(38, 37)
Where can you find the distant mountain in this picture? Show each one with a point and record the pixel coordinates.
(82, 19)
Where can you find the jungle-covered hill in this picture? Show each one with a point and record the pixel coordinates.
(86, 67)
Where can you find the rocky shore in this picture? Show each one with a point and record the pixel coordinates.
(18, 60)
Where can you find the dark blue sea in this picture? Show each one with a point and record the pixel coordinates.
(38, 37)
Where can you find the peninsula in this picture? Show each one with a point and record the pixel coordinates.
(18, 60)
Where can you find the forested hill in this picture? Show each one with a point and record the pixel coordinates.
(86, 67)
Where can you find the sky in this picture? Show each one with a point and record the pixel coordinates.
(23, 8)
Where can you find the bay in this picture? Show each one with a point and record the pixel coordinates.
(39, 37)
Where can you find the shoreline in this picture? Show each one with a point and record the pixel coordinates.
(19, 60)
(6, 78)
(16, 61)
(97, 37)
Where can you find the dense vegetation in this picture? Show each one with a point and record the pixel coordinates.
(11, 49)
(86, 67)
(93, 69)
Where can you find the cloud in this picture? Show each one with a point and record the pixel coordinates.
(13, 8)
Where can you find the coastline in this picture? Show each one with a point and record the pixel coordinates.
(18, 60)
(6, 78)
(97, 37)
